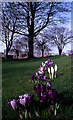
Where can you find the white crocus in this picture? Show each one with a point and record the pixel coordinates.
(52, 71)
(13, 104)
(43, 64)
(40, 72)
(41, 69)
(49, 72)
(55, 68)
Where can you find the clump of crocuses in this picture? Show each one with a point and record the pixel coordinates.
(23, 100)
(45, 92)
(21, 104)
(42, 87)
(46, 67)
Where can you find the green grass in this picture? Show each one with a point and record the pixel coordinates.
(16, 81)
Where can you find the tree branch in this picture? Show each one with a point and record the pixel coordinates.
(49, 13)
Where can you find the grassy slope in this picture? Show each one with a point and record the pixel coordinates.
(16, 81)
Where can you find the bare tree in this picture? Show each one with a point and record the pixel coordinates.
(41, 44)
(33, 17)
(8, 35)
(60, 36)
(20, 44)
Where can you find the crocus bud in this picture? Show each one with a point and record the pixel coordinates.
(37, 73)
(55, 68)
(30, 99)
(32, 76)
(49, 70)
(43, 87)
(43, 63)
(44, 77)
(48, 84)
(50, 63)
(39, 77)
(42, 74)
(52, 71)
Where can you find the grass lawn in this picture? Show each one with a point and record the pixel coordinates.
(16, 81)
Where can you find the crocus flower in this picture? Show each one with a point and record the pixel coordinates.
(42, 74)
(23, 101)
(49, 71)
(30, 99)
(52, 71)
(44, 77)
(43, 87)
(44, 96)
(12, 103)
(45, 68)
(26, 95)
(50, 63)
(21, 96)
(48, 84)
(55, 69)
(37, 89)
(42, 69)
(43, 63)
(37, 73)
(32, 76)
(47, 64)
(39, 77)
(53, 94)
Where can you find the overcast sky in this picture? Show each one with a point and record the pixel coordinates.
(55, 50)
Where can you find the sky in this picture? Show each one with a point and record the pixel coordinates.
(55, 50)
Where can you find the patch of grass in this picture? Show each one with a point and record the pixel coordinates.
(16, 81)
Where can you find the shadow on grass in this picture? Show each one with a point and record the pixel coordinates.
(66, 98)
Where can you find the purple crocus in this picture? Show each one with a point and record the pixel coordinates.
(50, 63)
(44, 77)
(44, 96)
(45, 68)
(48, 60)
(32, 76)
(53, 94)
(23, 101)
(43, 87)
(41, 69)
(37, 73)
(37, 89)
(31, 99)
(48, 84)
(12, 103)
(43, 63)
(42, 74)
(39, 77)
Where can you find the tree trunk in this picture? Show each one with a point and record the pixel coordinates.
(6, 57)
(6, 54)
(42, 53)
(60, 51)
(30, 54)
